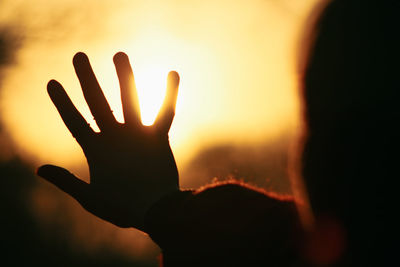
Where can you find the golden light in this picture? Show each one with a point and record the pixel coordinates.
(237, 69)
(151, 84)
(236, 61)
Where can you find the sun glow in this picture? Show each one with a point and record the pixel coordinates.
(151, 84)
(236, 70)
(235, 60)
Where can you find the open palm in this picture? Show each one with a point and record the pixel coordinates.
(131, 165)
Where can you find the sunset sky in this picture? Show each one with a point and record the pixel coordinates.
(237, 62)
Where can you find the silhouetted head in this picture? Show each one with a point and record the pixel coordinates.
(351, 96)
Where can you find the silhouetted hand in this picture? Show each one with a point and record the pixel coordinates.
(131, 165)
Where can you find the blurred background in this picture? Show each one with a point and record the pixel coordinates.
(237, 114)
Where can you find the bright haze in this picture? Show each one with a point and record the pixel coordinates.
(238, 104)
(236, 59)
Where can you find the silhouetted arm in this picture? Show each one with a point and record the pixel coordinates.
(131, 165)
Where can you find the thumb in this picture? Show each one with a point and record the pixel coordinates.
(65, 180)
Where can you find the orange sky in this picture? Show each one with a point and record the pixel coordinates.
(237, 61)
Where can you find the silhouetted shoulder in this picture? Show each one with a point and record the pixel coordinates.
(224, 223)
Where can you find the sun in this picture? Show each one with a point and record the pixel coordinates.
(151, 81)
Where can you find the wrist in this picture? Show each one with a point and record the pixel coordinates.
(164, 213)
